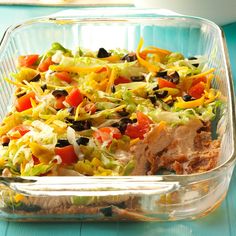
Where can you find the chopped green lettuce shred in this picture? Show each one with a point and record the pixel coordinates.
(58, 47)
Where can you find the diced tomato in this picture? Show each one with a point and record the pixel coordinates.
(18, 131)
(103, 69)
(44, 65)
(143, 119)
(163, 83)
(74, 98)
(198, 80)
(23, 103)
(90, 107)
(132, 131)
(67, 154)
(28, 60)
(74, 83)
(36, 160)
(139, 129)
(197, 90)
(23, 129)
(64, 76)
(121, 80)
(106, 134)
(59, 102)
(143, 55)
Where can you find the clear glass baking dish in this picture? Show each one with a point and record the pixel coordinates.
(135, 198)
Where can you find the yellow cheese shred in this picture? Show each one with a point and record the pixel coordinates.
(50, 118)
(167, 99)
(18, 197)
(89, 96)
(159, 50)
(202, 74)
(17, 84)
(78, 110)
(211, 96)
(171, 91)
(191, 104)
(75, 69)
(111, 80)
(209, 79)
(149, 66)
(113, 58)
(158, 53)
(134, 141)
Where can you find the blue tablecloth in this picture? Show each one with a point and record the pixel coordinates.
(220, 222)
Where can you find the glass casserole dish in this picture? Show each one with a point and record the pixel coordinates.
(141, 198)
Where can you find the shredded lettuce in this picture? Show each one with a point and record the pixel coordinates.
(24, 73)
(183, 116)
(173, 57)
(105, 105)
(36, 170)
(58, 47)
(129, 168)
(81, 61)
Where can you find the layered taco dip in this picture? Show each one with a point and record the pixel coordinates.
(110, 112)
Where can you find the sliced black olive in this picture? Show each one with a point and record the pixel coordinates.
(194, 58)
(161, 94)
(44, 87)
(170, 103)
(152, 98)
(102, 53)
(113, 89)
(106, 211)
(122, 127)
(174, 75)
(122, 124)
(129, 57)
(121, 205)
(5, 144)
(161, 74)
(116, 124)
(70, 110)
(20, 94)
(187, 98)
(174, 78)
(156, 88)
(27, 208)
(126, 120)
(59, 92)
(137, 78)
(134, 121)
(82, 141)
(62, 143)
(123, 112)
(80, 125)
(36, 78)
